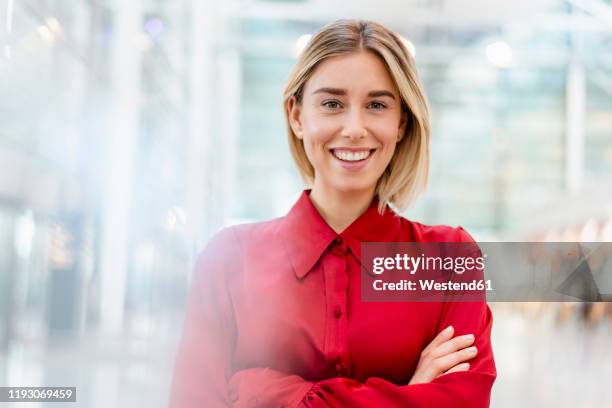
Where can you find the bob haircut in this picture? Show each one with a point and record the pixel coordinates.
(407, 174)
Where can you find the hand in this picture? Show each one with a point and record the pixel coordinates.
(444, 355)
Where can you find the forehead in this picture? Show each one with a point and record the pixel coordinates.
(355, 72)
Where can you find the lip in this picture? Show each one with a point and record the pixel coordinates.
(353, 166)
(353, 149)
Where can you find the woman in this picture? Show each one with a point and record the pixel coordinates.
(275, 317)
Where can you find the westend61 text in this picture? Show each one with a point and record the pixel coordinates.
(430, 284)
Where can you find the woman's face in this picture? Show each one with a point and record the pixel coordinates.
(350, 121)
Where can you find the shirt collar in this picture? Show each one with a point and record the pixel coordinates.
(306, 235)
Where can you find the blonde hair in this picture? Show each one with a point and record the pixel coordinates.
(407, 174)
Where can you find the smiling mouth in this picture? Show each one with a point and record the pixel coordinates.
(351, 156)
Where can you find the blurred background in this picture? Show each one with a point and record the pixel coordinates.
(131, 131)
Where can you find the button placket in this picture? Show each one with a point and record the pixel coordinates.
(336, 289)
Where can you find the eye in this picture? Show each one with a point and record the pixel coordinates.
(378, 105)
(331, 104)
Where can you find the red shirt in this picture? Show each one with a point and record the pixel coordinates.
(275, 319)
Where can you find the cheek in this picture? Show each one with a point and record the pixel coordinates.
(315, 149)
(387, 137)
(319, 128)
(388, 132)
(319, 132)
(317, 140)
(385, 156)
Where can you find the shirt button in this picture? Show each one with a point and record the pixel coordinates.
(337, 312)
(339, 247)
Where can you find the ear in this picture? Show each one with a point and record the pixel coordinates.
(402, 125)
(294, 111)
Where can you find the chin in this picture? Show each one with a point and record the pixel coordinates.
(353, 186)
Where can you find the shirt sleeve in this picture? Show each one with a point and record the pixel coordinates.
(266, 387)
(203, 372)
(203, 359)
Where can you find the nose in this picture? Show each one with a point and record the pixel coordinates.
(355, 126)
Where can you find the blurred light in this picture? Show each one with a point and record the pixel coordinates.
(606, 231)
(499, 54)
(175, 217)
(154, 26)
(409, 46)
(170, 220)
(9, 16)
(7, 51)
(24, 234)
(142, 41)
(107, 36)
(588, 233)
(61, 255)
(54, 26)
(301, 44)
(46, 34)
(180, 215)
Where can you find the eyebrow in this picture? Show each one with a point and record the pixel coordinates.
(338, 91)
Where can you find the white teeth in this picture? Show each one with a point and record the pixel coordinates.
(351, 156)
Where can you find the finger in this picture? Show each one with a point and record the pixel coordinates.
(457, 368)
(450, 360)
(443, 336)
(452, 345)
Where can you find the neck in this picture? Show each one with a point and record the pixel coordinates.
(339, 209)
